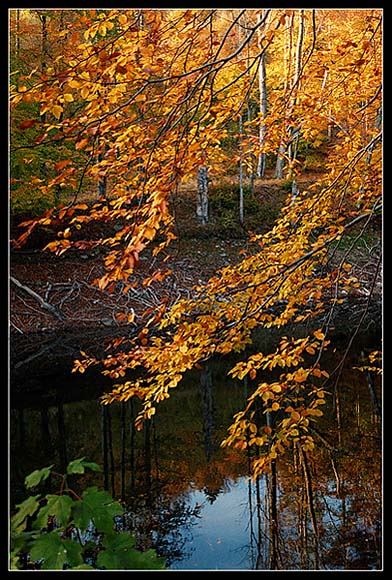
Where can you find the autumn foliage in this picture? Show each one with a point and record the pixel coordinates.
(132, 103)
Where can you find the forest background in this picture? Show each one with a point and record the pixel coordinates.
(256, 133)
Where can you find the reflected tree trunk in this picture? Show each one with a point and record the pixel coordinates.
(147, 457)
(132, 445)
(105, 448)
(21, 427)
(338, 414)
(123, 447)
(207, 410)
(273, 517)
(62, 444)
(45, 433)
(373, 395)
(310, 504)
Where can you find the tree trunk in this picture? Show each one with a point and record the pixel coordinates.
(202, 194)
(241, 176)
(290, 151)
(262, 102)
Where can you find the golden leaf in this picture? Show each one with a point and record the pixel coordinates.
(57, 110)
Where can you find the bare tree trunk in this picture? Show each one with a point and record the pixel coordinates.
(280, 160)
(202, 194)
(263, 102)
(291, 150)
(241, 176)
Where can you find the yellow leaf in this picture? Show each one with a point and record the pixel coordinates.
(57, 110)
(68, 97)
(85, 92)
(122, 19)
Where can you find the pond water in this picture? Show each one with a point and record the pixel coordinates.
(194, 501)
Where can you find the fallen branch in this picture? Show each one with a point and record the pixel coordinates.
(52, 309)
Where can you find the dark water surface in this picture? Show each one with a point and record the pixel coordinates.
(194, 501)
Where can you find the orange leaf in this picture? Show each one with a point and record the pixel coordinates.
(80, 144)
(27, 124)
(61, 164)
(319, 335)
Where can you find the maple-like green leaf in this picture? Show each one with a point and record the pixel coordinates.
(120, 554)
(55, 552)
(58, 506)
(26, 508)
(79, 465)
(37, 476)
(98, 506)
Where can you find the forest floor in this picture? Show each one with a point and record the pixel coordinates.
(51, 295)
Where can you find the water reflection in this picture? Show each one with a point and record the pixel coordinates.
(194, 501)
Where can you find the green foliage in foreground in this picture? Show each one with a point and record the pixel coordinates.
(63, 531)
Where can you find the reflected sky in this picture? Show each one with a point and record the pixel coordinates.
(221, 538)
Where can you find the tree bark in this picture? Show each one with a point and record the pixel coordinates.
(202, 194)
(261, 161)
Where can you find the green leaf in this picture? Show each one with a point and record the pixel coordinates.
(79, 465)
(59, 506)
(56, 552)
(22, 540)
(26, 508)
(37, 476)
(98, 506)
(74, 552)
(120, 554)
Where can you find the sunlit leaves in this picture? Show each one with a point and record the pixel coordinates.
(147, 97)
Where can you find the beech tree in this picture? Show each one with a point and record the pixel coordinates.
(143, 103)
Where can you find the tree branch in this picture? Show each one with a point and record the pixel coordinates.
(52, 309)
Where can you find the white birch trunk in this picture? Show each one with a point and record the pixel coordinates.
(263, 104)
(202, 194)
(241, 177)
